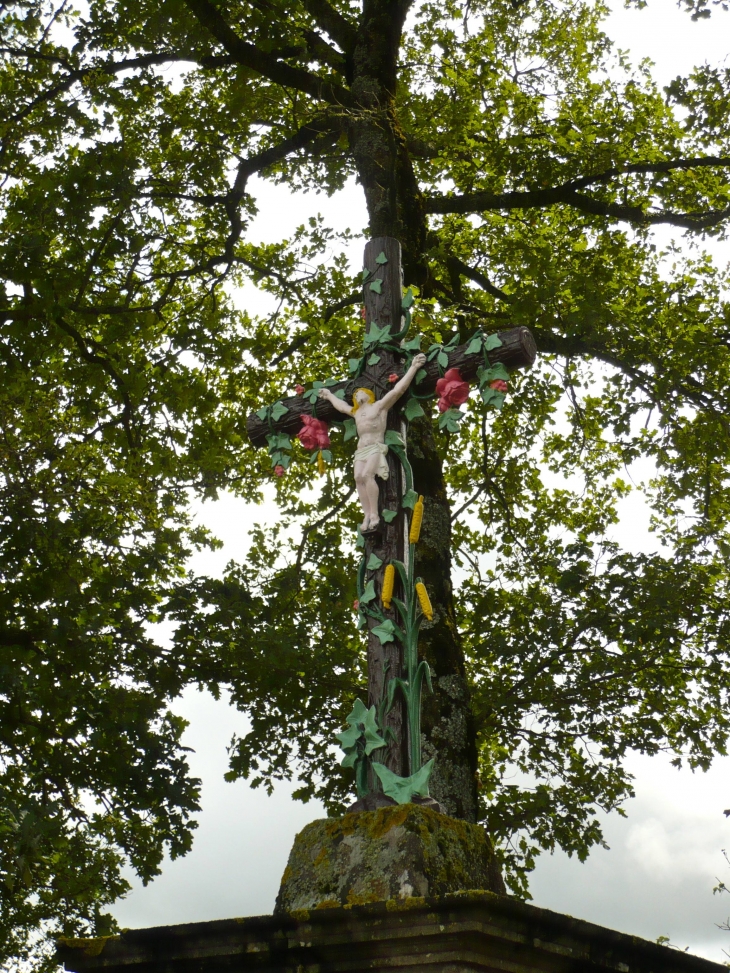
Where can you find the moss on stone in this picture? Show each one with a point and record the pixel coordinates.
(91, 947)
(400, 852)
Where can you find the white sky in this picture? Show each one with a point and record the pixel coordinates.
(665, 857)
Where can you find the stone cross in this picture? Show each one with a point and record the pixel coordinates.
(383, 299)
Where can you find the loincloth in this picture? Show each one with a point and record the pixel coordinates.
(367, 451)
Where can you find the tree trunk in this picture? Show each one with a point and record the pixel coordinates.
(448, 724)
(395, 209)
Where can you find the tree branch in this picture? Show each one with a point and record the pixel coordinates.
(302, 338)
(111, 68)
(264, 64)
(332, 23)
(464, 270)
(319, 130)
(568, 195)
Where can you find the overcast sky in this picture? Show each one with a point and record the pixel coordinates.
(664, 858)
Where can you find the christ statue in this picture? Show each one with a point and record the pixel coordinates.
(371, 417)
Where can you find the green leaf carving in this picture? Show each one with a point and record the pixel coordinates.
(262, 413)
(490, 374)
(353, 364)
(475, 345)
(420, 375)
(414, 344)
(373, 359)
(368, 594)
(443, 359)
(376, 335)
(409, 499)
(389, 515)
(381, 258)
(377, 286)
(278, 440)
(326, 455)
(350, 429)
(365, 274)
(491, 342)
(413, 410)
(360, 542)
(404, 789)
(407, 299)
(393, 438)
(493, 398)
(363, 726)
(374, 562)
(450, 420)
(340, 394)
(385, 631)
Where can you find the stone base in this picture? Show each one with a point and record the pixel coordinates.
(476, 932)
(397, 852)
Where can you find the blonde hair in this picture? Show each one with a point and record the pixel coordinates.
(355, 404)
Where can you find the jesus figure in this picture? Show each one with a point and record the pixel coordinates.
(371, 417)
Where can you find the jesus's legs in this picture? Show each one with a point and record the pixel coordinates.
(367, 491)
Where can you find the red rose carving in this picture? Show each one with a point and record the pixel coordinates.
(499, 385)
(279, 469)
(299, 389)
(314, 433)
(392, 377)
(452, 390)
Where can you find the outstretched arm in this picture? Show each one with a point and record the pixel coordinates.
(339, 404)
(390, 398)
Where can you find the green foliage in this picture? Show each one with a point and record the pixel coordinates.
(404, 789)
(128, 133)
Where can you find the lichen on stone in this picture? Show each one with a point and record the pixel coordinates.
(401, 852)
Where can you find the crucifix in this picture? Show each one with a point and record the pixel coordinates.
(382, 742)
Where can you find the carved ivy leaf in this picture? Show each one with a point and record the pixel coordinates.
(475, 345)
(393, 438)
(262, 413)
(413, 410)
(350, 759)
(373, 359)
(420, 375)
(350, 430)
(340, 394)
(403, 789)
(354, 364)
(409, 499)
(278, 440)
(491, 342)
(381, 258)
(278, 409)
(376, 335)
(389, 515)
(385, 631)
(490, 374)
(414, 344)
(449, 420)
(377, 286)
(407, 299)
(493, 399)
(374, 562)
(368, 594)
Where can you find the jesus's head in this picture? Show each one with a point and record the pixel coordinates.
(362, 397)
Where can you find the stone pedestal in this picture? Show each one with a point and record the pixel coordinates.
(395, 853)
(476, 932)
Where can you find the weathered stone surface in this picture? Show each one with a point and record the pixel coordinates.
(474, 932)
(393, 853)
